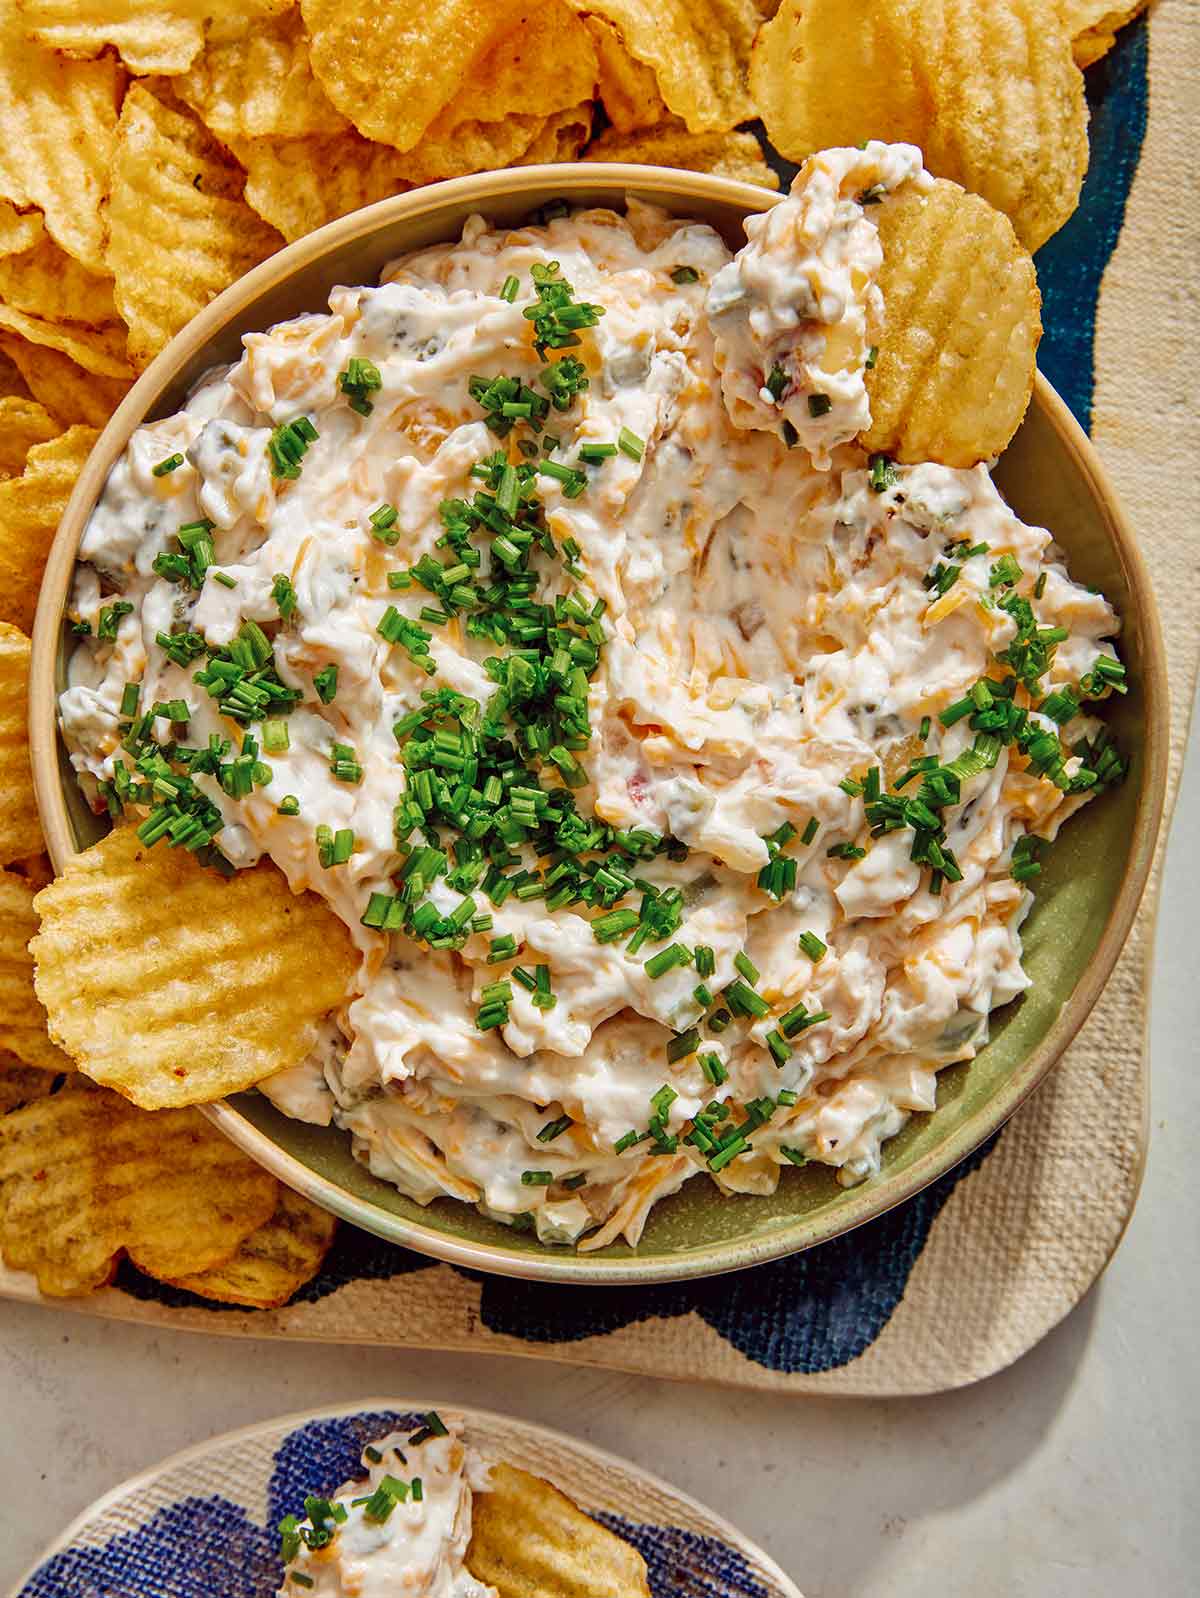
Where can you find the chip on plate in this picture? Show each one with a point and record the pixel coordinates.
(20, 829)
(176, 985)
(69, 392)
(86, 1178)
(698, 50)
(728, 155)
(57, 122)
(23, 423)
(628, 90)
(962, 320)
(30, 508)
(987, 88)
(561, 138)
(274, 1261)
(151, 35)
(392, 68)
(1092, 25)
(21, 1083)
(22, 1019)
(40, 278)
(261, 86)
(179, 229)
(300, 184)
(530, 1541)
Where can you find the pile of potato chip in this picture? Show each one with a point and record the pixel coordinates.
(151, 152)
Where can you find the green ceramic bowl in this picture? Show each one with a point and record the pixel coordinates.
(1086, 899)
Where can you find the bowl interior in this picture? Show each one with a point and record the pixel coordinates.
(1086, 896)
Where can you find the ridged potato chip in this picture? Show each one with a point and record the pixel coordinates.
(44, 281)
(179, 229)
(175, 985)
(698, 50)
(274, 1262)
(261, 86)
(30, 508)
(21, 1083)
(562, 137)
(20, 829)
(85, 1178)
(300, 184)
(151, 35)
(529, 1541)
(23, 423)
(542, 65)
(19, 230)
(627, 89)
(22, 1018)
(97, 349)
(729, 155)
(392, 68)
(1092, 25)
(68, 392)
(58, 119)
(962, 320)
(987, 88)
(11, 382)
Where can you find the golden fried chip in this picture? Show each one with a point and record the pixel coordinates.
(22, 1019)
(176, 985)
(729, 155)
(30, 508)
(698, 50)
(68, 392)
(1092, 25)
(36, 869)
(57, 122)
(962, 321)
(19, 230)
(23, 423)
(85, 1178)
(43, 280)
(261, 86)
(179, 230)
(627, 89)
(529, 1540)
(21, 1083)
(987, 88)
(544, 65)
(300, 184)
(562, 137)
(11, 382)
(97, 349)
(392, 68)
(151, 35)
(20, 829)
(274, 1262)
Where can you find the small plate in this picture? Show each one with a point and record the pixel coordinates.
(204, 1520)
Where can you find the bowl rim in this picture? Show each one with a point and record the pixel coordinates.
(675, 189)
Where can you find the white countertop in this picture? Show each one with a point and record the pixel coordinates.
(1074, 1474)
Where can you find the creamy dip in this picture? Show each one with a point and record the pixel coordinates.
(403, 1527)
(675, 764)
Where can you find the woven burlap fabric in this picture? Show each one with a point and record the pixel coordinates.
(1021, 1238)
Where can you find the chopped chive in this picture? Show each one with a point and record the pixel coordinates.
(872, 357)
(509, 288)
(289, 805)
(713, 1068)
(925, 728)
(1039, 588)
(679, 1047)
(819, 405)
(171, 464)
(812, 946)
(129, 699)
(325, 682)
(706, 960)
(275, 736)
(684, 274)
(781, 1049)
(703, 996)
(743, 963)
(630, 444)
(811, 829)
(225, 580)
(553, 1129)
(536, 1178)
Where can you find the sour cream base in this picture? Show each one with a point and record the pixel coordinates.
(772, 634)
